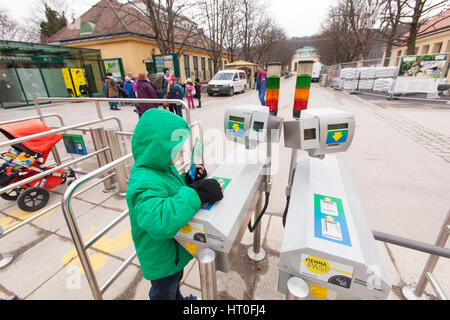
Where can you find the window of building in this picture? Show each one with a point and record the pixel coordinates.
(425, 49)
(187, 66)
(399, 57)
(437, 47)
(220, 65)
(196, 67)
(210, 68)
(204, 68)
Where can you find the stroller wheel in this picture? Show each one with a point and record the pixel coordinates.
(11, 195)
(33, 199)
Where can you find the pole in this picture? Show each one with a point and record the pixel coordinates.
(100, 142)
(208, 278)
(121, 176)
(5, 259)
(255, 252)
(418, 293)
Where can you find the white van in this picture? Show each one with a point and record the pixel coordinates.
(228, 82)
(316, 72)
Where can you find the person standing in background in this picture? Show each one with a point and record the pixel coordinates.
(113, 91)
(198, 92)
(190, 92)
(145, 90)
(261, 85)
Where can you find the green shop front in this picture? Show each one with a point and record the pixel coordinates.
(29, 71)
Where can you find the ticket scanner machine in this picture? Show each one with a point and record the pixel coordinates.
(327, 241)
(244, 175)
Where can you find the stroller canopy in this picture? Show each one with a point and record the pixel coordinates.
(41, 145)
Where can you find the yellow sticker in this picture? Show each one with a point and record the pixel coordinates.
(186, 229)
(317, 265)
(191, 248)
(318, 292)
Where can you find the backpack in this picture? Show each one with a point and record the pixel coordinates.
(191, 89)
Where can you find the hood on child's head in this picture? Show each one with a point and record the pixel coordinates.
(158, 138)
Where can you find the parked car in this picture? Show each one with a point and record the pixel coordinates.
(317, 70)
(228, 82)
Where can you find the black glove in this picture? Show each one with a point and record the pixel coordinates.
(208, 190)
(198, 177)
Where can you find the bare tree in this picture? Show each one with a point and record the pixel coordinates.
(268, 37)
(252, 17)
(392, 14)
(172, 30)
(232, 36)
(350, 30)
(11, 30)
(419, 13)
(216, 15)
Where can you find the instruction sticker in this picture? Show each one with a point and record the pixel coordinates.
(335, 137)
(329, 220)
(326, 270)
(193, 232)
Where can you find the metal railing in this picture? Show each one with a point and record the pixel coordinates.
(49, 115)
(393, 86)
(427, 276)
(7, 259)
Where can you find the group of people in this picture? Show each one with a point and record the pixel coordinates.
(153, 86)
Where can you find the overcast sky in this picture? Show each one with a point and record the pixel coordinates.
(297, 17)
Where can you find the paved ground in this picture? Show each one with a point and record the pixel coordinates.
(399, 161)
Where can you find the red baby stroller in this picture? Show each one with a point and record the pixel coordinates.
(27, 159)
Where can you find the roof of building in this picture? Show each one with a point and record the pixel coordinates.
(438, 23)
(109, 18)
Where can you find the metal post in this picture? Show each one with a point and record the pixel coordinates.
(100, 142)
(297, 289)
(7, 259)
(208, 278)
(78, 242)
(417, 294)
(121, 176)
(255, 252)
(99, 110)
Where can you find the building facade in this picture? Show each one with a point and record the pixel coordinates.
(303, 54)
(113, 29)
(434, 38)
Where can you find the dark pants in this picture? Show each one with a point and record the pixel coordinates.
(262, 96)
(167, 288)
(113, 105)
(199, 102)
(179, 110)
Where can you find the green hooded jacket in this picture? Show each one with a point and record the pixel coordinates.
(159, 201)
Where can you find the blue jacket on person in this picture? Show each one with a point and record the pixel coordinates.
(128, 87)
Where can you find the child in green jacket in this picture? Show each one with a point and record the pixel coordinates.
(161, 201)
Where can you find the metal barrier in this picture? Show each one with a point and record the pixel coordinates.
(389, 86)
(411, 293)
(80, 246)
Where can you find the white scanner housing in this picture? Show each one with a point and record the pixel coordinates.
(320, 131)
